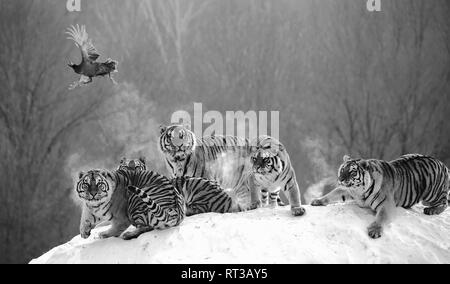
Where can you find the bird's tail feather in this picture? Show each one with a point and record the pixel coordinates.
(77, 34)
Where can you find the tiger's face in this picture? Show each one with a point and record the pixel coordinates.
(132, 164)
(265, 163)
(351, 173)
(177, 141)
(95, 186)
(266, 159)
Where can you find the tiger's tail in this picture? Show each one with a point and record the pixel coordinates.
(240, 197)
(448, 182)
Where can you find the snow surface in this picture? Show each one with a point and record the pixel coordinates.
(332, 234)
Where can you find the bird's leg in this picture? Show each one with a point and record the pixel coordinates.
(87, 82)
(83, 81)
(112, 79)
(74, 85)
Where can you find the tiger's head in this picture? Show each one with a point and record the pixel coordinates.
(95, 186)
(352, 172)
(177, 141)
(268, 157)
(132, 164)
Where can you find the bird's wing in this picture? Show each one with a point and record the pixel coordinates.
(80, 37)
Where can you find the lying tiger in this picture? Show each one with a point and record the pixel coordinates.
(271, 173)
(145, 199)
(201, 195)
(382, 185)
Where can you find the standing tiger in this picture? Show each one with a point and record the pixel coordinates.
(271, 172)
(382, 185)
(201, 195)
(224, 159)
(220, 158)
(105, 198)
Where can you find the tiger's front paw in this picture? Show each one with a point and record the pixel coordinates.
(375, 230)
(129, 235)
(319, 202)
(85, 231)
(255, 205)
(85, 234)
(109, 233)
(298, 211)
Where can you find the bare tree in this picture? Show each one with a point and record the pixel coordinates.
(37, 112)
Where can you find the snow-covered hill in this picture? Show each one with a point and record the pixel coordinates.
(333, 234)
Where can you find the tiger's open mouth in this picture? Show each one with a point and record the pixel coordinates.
(179, 157)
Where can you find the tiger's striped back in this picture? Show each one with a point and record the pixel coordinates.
(203, 196)
(157, 188)
(422, 178)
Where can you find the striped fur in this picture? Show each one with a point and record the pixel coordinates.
(382, 185)
(122, 208)
(272, 172)
(203, 196)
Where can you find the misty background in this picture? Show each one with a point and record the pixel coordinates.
(346, 81)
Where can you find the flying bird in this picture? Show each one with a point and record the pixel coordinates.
(88, 68)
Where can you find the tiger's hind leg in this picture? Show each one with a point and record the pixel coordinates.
(136, 232)
(160, 215)
(194, 210)
(435, 210)
(436, 206)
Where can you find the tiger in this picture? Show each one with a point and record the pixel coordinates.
(224, 159)
(381, 186)
(272, 171)
(132, 164)
(105, 196)
(201, 195)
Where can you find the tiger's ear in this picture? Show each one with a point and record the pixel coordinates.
(162, 129)
(142, 159)
(364, 164)
(280, 148)
(80, 174)
(122, 160)
(187, 126)
(346, 158)
(105, 174)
